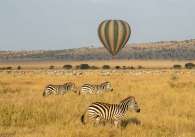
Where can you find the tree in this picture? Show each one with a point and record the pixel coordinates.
(105, 67)
(67, 66)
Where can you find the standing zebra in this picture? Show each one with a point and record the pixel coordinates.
(99, 111)
(59, 89)
(92, 89)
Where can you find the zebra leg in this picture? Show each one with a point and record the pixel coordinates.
(116, 123)
(97, 121)
(56, 93)
(63, 92)
(49, 93)
(103, 122)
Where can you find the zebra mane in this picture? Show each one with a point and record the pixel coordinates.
(49, 85)
(105, 82)
(128, 98)
(68, 83)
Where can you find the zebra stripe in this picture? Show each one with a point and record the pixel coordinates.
(59, 89)
(100, 111)
(87, 88)
(114, 35)
(93, 89)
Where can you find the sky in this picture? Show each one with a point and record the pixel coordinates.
(64, 24)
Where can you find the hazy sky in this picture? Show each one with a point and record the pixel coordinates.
(61, 24)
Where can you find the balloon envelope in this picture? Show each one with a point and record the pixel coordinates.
(114, 35)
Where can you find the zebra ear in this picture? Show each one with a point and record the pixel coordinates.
(132, 100)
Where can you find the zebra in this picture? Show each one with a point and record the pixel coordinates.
(105, 73)
(59, 89)
(102, 112)
(93, 89)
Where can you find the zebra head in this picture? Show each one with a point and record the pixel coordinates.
(131, 103)
(71, 86)
(47, 91)
(74, 88)
(107, 86)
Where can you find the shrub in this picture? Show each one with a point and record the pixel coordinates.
(124, 67)
(8, 68)
(19, 67)
(2, 68)
(77, 66)
(177, 66)
(67, 67)
(106, 67)
(51, 67)
(140, 67)
(189, 65)
(94, 67)
(84, 66)
(117, 67)
(131, 67)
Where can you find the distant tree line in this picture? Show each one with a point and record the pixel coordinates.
(87, 66)
(184, 50)
(93, 67)
(10, 68)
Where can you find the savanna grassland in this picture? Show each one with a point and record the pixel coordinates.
(166, 98)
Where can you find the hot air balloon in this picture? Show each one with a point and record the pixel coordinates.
(114, 35)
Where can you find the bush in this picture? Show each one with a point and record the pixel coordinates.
(19, 67)
(94, 67)
(106, 67)
(131, 67)
(177, 66)
(140, 67)
(117, 67)
(189, 65)
(84, 66)
(67, 67)
(8, 68)
(124, 67)
(77, 66)
(51, 67)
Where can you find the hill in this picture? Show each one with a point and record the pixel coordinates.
(177, 50)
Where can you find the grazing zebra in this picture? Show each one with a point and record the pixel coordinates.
(105, 73)
(59, 89)
(92, 89)
(102, 112)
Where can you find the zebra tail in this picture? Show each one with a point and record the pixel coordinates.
(79, 92)
(44, 94)
(83, 119)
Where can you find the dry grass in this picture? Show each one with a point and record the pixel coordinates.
(166, 100)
